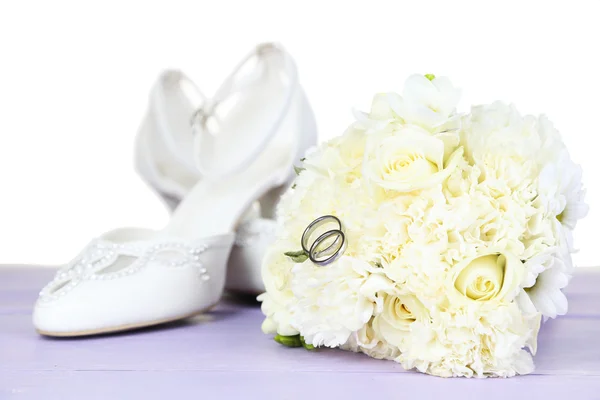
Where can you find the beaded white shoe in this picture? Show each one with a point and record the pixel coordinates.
(263, 86)
(130, 278)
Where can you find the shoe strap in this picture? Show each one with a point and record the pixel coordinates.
(177, 80)
(207, 114)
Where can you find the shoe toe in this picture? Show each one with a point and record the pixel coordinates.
(61, 317)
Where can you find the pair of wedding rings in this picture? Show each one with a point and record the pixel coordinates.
(328, 246)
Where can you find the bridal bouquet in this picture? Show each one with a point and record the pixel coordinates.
(436, 239)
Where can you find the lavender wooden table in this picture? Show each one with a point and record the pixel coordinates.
(224, 355)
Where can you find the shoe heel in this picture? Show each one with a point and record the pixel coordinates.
(268, 202)
(253, 237)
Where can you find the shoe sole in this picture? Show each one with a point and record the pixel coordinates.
(123, 328)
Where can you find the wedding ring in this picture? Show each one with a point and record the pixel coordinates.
(324, 250)
(316, 224)
(331, 252)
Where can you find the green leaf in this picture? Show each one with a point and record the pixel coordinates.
(430, 76)
(297, 170)
(293, 341)
(306, 345)
(294, 253)
(297, 256)
(289, 341)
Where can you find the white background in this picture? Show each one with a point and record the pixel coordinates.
(74, 78)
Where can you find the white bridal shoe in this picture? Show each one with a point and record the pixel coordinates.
(166, 152)
(245, 142)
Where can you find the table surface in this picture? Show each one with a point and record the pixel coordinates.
(223, 354)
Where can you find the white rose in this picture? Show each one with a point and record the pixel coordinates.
(489, 278)
(367, 340)
(409, 159)
(398, 314)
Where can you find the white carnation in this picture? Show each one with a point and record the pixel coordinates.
(499, 129)
(335, 301)
(276, 273)
(472, 342)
